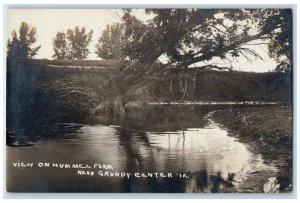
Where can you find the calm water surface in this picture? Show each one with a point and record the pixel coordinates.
(181, 141)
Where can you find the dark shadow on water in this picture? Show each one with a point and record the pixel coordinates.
(174, 185)
(30, 135)
(213, 183)
(218, 182)
(202, 180)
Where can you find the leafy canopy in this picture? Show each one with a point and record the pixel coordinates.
(61, 46)
(111, 42)
(72, 44)
(20, 47)
(189, 36)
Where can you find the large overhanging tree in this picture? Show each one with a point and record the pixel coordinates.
(194, 38)
(190, 36)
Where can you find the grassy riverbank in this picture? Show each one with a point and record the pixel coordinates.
(40, 95)
(268, 131)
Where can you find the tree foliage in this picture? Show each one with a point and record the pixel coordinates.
(61, 47)
(72, 44)
(79, 41)
(190, 36)
(140, 40)
(281, 40)
(111, 42)
(20, 47)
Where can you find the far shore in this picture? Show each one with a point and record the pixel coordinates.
(216, 103)
(246, 103)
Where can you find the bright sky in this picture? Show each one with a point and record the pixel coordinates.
(49, 21)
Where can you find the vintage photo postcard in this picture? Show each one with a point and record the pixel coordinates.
(149, 100)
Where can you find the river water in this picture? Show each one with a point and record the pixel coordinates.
(153, 149)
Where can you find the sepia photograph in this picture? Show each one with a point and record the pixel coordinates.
(149, 100)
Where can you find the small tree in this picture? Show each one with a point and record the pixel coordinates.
(79, 41)
(110, 44)
(72, 44)
(20, 47)
(61, 46)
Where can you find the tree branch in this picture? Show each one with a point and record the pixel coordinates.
(209, 55)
